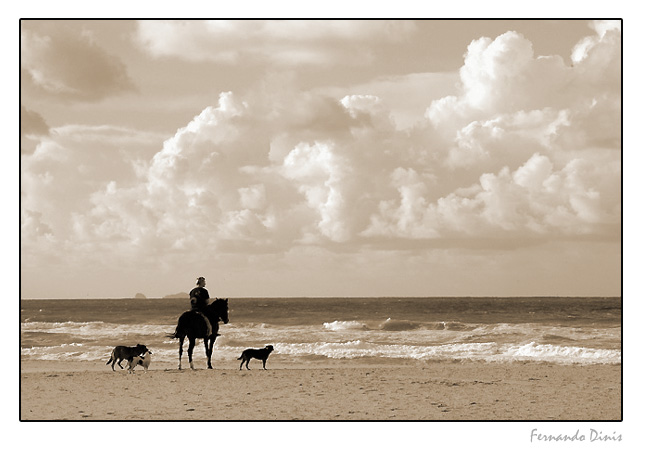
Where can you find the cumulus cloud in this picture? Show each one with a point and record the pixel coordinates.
(320, 173)
(589, 46)
(69, 181)
(274, 41)
(529, 148)
(71, 66)
(534, 131)
(536, 200)
(504, 76)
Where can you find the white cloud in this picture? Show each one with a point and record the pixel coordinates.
(76, 185)
(507, 138)
(357, 104)
(534, 173)
(319, 173)
(587, 45)
(502, 76)
(525, 150)
(412, 217)
(253, 197)
(272, 41)
(535, 200)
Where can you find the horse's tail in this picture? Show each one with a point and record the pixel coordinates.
(181, 327)
(174, 335)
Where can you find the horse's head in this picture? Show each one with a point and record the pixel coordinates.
(220, 308)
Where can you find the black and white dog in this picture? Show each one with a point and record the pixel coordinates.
(140, 360)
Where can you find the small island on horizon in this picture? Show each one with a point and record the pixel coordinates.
(140, 295)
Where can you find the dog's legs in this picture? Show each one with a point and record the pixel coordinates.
(131, 364)
(190, 349)
(264, 363)
(247, 361)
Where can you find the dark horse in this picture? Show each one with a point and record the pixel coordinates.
(193, 325)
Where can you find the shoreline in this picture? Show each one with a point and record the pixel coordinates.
(328, 391)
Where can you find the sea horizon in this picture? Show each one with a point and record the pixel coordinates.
(505, 297)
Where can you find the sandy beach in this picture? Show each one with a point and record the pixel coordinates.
(334, 391)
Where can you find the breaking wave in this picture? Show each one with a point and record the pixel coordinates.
(488, 351)
(345, 325)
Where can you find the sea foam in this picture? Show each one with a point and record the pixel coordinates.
(488, 351)
(345, 325)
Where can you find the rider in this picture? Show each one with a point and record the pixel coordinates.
(199, 297)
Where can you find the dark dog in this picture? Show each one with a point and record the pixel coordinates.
(144, 361)
(257, 353)
(121, 353)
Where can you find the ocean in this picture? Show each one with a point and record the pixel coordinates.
(315, 330)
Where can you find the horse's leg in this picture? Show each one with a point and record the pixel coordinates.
(208, 352)
(190, 349)
(209, 346)
(181, 338)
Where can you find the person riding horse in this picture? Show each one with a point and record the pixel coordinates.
(200, 322)
(199, 298)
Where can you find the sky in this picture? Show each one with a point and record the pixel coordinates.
(320, 158)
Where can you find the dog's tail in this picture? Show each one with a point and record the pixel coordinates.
(110, 360)
(241, 357)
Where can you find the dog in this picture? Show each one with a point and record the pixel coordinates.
(140, 360)
(257, 353)
(121, 353)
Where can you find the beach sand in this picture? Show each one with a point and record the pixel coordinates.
(335, 391)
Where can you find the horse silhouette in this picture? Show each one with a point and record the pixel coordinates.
(193, 325)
